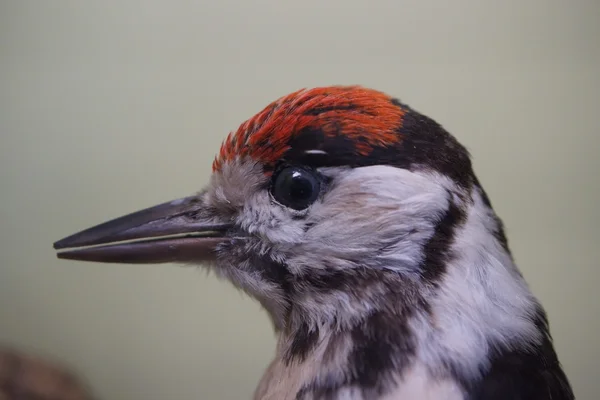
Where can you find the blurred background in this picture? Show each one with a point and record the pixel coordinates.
(108, 107)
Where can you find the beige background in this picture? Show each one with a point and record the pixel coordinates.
(107, 107)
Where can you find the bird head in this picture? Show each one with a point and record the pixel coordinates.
(347, 215)
(329, 204)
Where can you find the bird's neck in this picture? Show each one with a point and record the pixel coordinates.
(314, 359)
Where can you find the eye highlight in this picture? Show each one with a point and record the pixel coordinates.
(295, 187)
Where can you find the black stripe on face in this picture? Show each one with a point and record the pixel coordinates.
(438, 249)
(499, 232)
(333, 151)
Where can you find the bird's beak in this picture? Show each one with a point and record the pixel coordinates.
(177, 231)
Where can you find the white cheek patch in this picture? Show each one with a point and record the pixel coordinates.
(271, 221)
(380, 214)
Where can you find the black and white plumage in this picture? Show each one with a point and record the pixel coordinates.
(360, 226)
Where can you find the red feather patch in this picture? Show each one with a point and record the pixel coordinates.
(367, 117)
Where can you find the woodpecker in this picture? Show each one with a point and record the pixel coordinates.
(360, 227)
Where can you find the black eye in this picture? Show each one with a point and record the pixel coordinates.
(295, 187)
